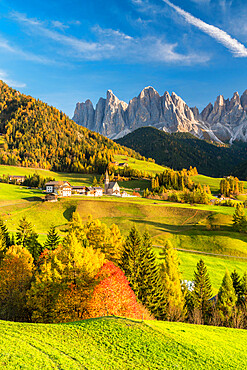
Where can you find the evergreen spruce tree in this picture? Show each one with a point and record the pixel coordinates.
(28, 238)
(171, 276)
(239, 218)
(237, 285)
(226, 300)
(5, 233)
(52, 239)
(13, 240)
(244, 298)
(244, 289)
(3, 248)
(151, 292)
(202, 292)
(131, 259)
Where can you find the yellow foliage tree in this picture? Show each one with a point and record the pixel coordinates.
(15, 278)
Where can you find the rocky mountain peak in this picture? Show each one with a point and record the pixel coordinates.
(243, 100)
(226, 120)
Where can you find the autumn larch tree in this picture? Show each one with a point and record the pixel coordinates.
(175, 309)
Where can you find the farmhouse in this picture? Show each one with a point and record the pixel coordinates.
(61, 188)
(78, 189)
(111, 187)
(94, 191)
(17, 179)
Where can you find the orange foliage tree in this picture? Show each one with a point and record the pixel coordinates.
(113, 295)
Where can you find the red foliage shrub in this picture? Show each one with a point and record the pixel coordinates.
(136, 194)
(113, 296)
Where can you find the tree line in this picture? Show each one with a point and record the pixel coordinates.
(178, 186)
(93, 271)
(231, 186)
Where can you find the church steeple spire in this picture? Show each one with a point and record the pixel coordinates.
(107, 181)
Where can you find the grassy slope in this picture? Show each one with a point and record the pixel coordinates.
(183, 224)
(140, 165)
(216, 267)
(111, 343)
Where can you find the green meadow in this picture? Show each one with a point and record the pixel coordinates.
(118, 343)
(185, 225)
(137, 164)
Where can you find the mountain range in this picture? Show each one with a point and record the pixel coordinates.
(225, 121)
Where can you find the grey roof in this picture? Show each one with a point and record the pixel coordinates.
(112, 184)
(78, 187)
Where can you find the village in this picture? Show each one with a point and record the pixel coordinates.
(55, 189)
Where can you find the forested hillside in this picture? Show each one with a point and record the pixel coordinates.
(34, 134)
(182, 150)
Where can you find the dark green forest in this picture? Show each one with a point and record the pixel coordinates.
(34, 134)
(182, 150)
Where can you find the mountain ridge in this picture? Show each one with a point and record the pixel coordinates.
(225, 121)
(181, 150)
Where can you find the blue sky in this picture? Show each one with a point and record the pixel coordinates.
(68, 51)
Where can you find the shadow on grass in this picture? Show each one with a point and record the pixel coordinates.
(68, 212)
(33, 199)
(193, 230)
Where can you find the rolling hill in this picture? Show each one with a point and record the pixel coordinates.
(182, 150)
(115, 343)
(34, 134)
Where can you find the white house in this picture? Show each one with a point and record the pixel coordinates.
(94, 191)
(61, 188)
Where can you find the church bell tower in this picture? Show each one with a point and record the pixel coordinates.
(106, 181)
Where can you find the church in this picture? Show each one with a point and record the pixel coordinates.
(111, 187)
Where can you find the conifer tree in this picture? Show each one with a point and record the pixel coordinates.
(244, 288)
(5, 233)
(237, 285)
(131, 259)
(244, 298)
(3, 248)
(239, 218)
(226, 300)
(28, 238)
(151, 292)
(202, 292)
(175, 309)
(53, 239)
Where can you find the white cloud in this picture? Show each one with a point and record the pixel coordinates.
(59, 25)
(111, 44)
(16, 84)
(109, 32)
(87, 50)
(235, 47)
(5, 45)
